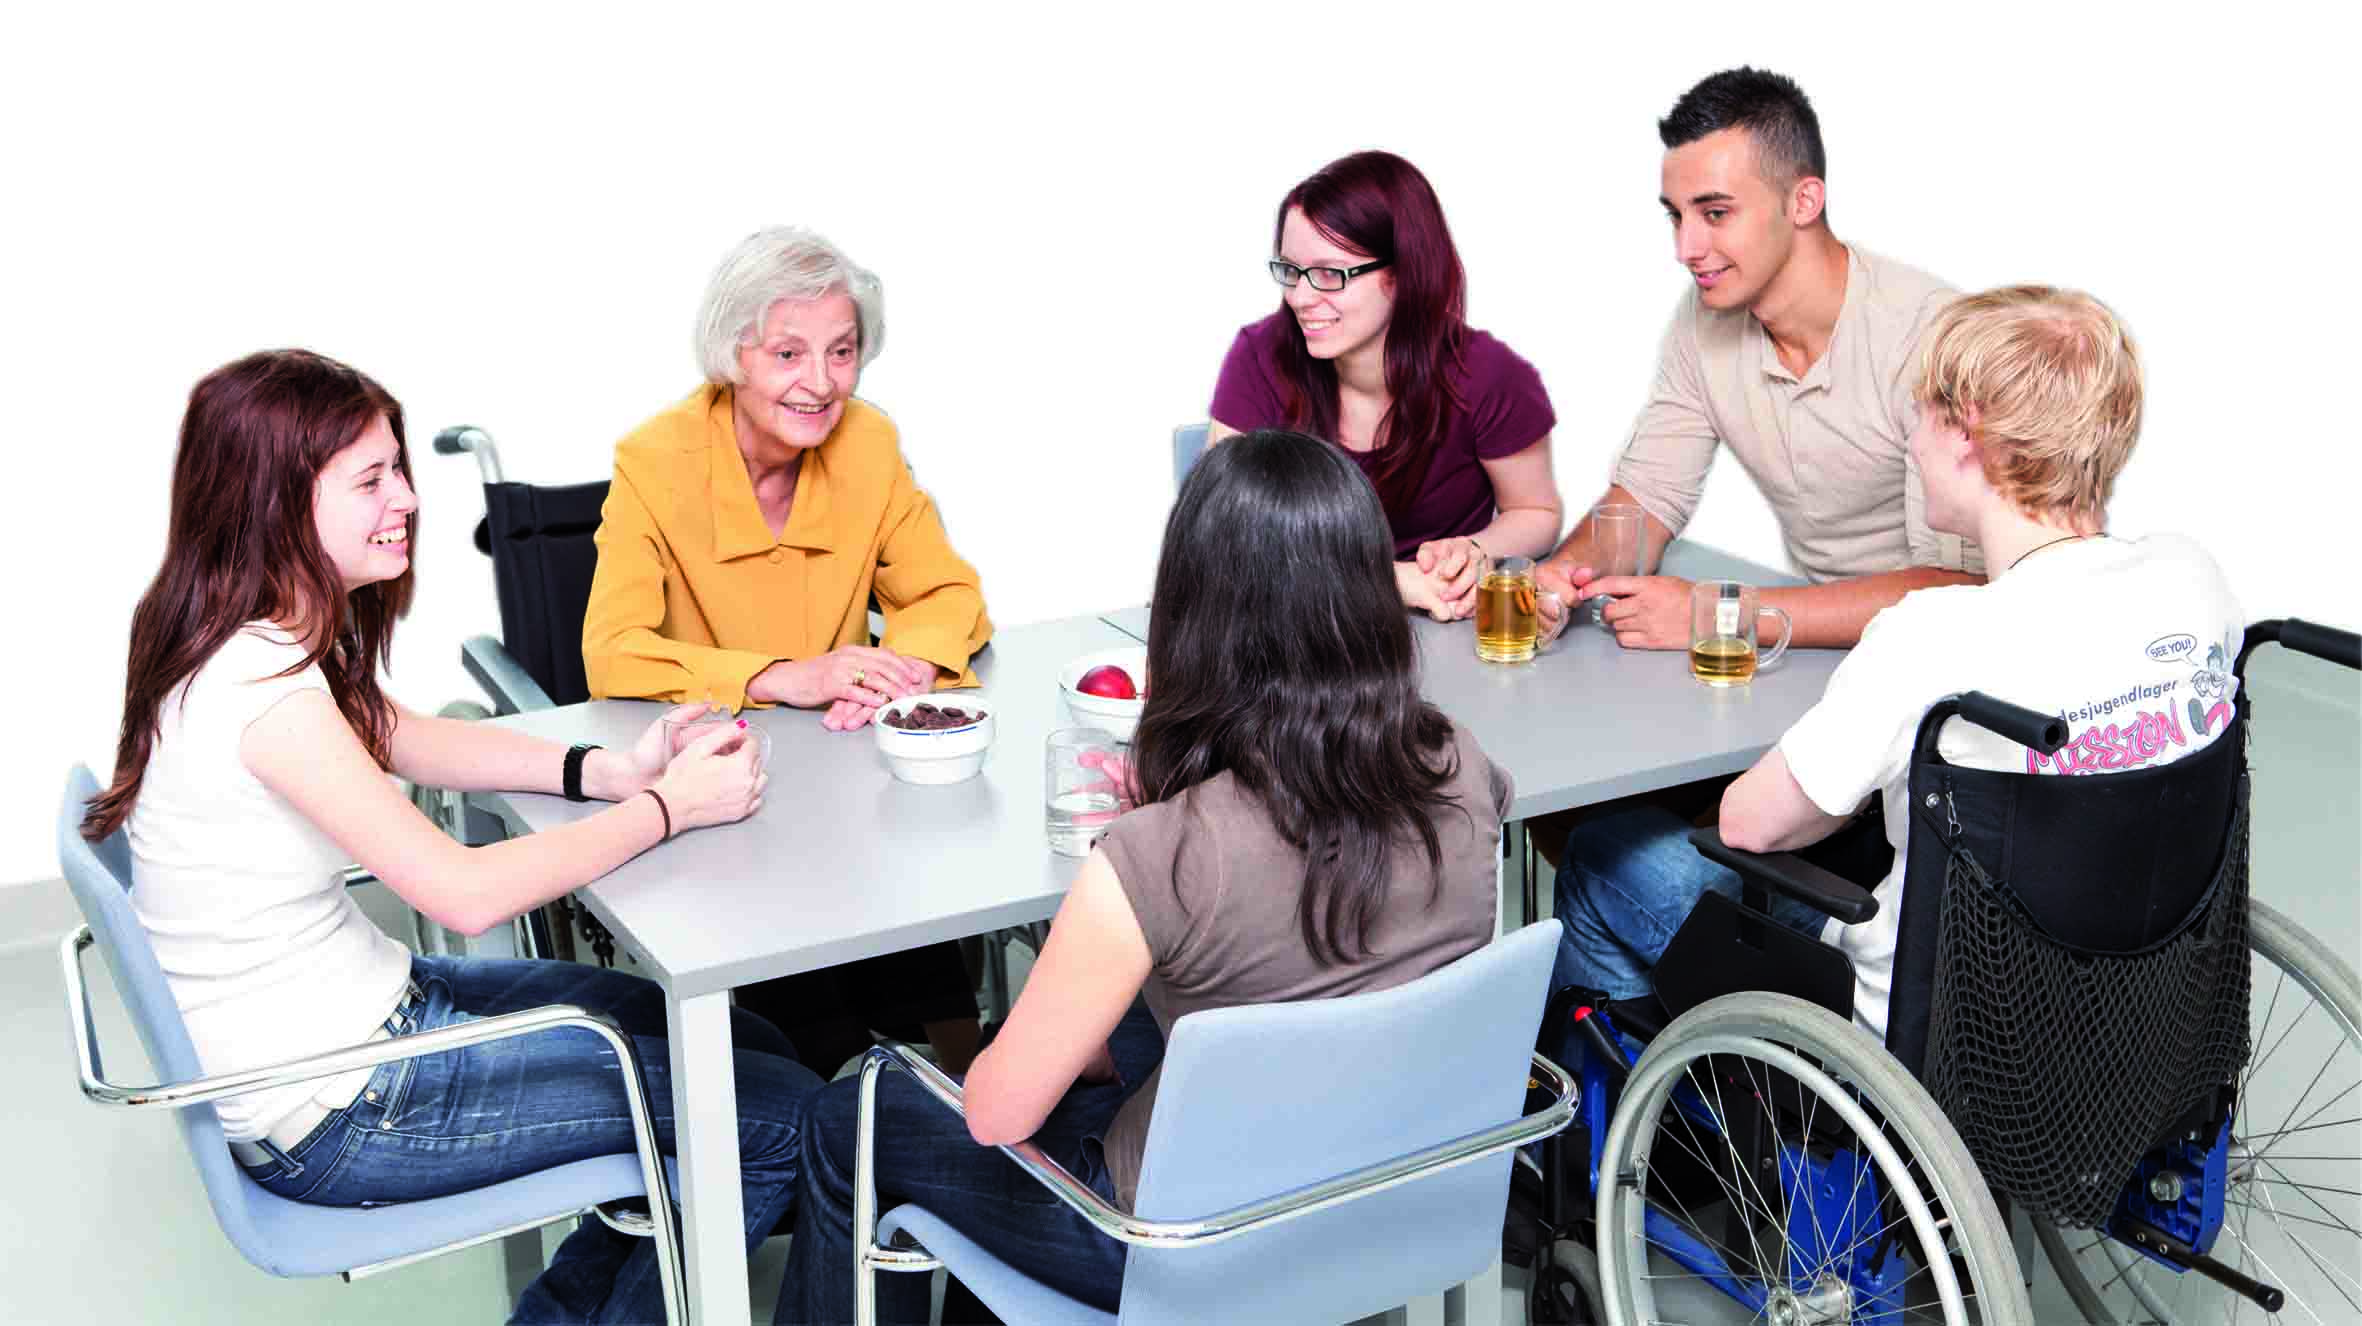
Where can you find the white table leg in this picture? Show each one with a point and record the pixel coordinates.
(1478, 1302)
(705, 1122)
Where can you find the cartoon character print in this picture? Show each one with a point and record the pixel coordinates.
(2210, 703)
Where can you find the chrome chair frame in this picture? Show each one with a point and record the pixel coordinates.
(658, 1223)
(1130, 1229)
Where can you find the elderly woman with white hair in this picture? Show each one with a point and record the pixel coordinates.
(748, 528)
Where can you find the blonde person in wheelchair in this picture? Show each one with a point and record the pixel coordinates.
(252, 768)
(2029, 404)
(1307, 826)
(747, 529)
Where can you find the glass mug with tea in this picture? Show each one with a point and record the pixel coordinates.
(1508, 611)
(1722, 620)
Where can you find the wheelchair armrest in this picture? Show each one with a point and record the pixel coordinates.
(511, 689)
(1790, 874)
(1221, 1225)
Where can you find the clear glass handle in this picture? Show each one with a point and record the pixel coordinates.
(1787, 629)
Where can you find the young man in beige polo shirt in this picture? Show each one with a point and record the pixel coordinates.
(1800, 354)
(1794, 350)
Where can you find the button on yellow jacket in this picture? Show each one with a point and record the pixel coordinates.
(693, 596)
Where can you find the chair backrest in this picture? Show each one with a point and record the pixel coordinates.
(1258, 1100)
(1189, 442)
(543, 556)
(100, 876)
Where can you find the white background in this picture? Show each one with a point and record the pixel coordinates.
(506, 213)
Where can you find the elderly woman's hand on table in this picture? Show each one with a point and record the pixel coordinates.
(854, 681)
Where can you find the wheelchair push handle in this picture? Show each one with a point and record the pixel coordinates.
(2043, 732)
(2343, 648)
(466, 439)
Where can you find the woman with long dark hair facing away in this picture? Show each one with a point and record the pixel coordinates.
(1371, 350)
(253, 767)
(1306, 826)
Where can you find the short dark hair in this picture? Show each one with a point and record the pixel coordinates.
(1769, 106)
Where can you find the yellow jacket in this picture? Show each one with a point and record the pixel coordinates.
(693, 596)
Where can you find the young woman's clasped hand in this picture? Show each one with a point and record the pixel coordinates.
(716, 779)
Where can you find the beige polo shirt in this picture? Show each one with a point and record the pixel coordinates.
(1831, 451)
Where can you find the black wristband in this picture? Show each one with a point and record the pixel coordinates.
(572, 782)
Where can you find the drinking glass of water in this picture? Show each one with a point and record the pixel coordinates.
(1080, 766)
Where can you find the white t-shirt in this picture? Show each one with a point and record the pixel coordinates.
(241, 896)
(2130, 641)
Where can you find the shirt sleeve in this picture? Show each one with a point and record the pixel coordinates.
(1858, 738)
(1144, 846)
(625, 654)
(1511, 411)
(1245, 397)
(932, 600)
(1672, 445)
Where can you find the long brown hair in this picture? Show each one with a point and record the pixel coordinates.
(243, 547)
(1379, 204)
(1303, 685)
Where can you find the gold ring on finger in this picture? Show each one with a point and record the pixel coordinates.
(859, 674)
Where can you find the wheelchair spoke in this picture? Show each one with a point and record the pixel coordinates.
(2335, 1275)
(2268, 1208)
(2255, 1065)
(2307, 1128)
(2306, 1190)
(2307, 1094)
(2279, 983)
(1697, 1150)
(1721, 1115)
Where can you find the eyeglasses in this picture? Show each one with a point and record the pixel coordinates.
(1322, 278)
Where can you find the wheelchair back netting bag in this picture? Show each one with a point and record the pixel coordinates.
(540, 543)
(2077, 950)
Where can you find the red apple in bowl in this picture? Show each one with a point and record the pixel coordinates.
(1108, 682)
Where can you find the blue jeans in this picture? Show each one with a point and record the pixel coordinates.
(463, 1119)
(925, 1156)
(1626, 881)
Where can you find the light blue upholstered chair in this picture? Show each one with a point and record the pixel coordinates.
(1189, 442)
(1308, 1162)
(289, 1238)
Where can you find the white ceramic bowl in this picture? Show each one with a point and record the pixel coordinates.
(1117, 718)
(950, 755)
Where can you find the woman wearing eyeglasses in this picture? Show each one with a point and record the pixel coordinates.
(1371, 350)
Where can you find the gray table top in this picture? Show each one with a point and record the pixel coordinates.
(834, 866)
(1589, 721)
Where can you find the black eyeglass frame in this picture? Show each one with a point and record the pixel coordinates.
(1281, 267)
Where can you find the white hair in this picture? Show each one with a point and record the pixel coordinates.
(767, 267)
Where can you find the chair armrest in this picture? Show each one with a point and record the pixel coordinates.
(1221, 1225)
(369, 1054)
(511, 689)
(1790, 874)
(329, 1063)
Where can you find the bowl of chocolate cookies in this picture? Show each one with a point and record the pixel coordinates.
(933, 739)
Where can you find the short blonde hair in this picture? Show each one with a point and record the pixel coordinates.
(768, 266)
(2047, 383)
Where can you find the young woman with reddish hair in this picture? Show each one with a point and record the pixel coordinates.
(252, 768)
(1371, 350)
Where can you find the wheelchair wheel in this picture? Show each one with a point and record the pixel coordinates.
(2292, 1211)
(1770, 1152)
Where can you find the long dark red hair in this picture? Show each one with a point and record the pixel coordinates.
(243, 547)
(1379, 204)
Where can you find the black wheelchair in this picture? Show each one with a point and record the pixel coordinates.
(2092, 1024)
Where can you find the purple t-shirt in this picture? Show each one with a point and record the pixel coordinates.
(1504, 411)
